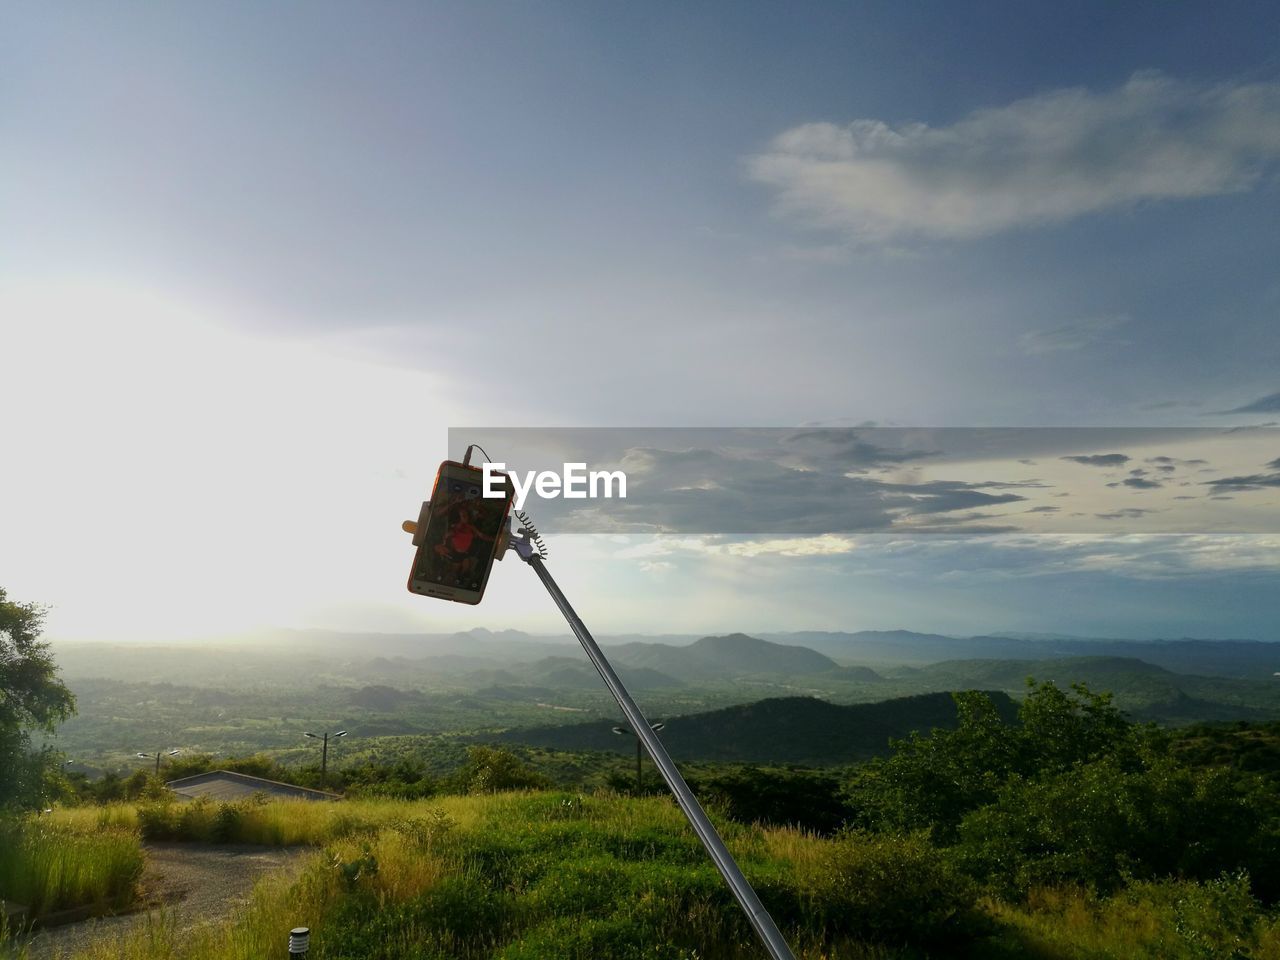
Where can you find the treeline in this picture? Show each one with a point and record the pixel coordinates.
(1068, 792)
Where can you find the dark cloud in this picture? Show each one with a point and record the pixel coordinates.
(1267, 404)
(1100, 460)
(1129, 513)
(704, 491)
(1044, 509)
(1258, 481)
(1138, 483)
(848, 447)
(1274, 464)
(1171, 464)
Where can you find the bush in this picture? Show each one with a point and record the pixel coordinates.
(494, 769)
(1100, 824)
(893, 888)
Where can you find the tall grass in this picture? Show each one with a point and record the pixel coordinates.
(522, 875)
(519, 876)
(50, 866)
(1164, 920)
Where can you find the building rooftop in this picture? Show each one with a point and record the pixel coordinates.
(229, 786)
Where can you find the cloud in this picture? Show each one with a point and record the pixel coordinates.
(1100, 460)
(1267, 404)
(705, 491)
(1139, 483)
(1258, 481)
(1128, 513)
(1274, 464)
(1071, 336)
(846, 446)
(1130, 555)
(1044, 159)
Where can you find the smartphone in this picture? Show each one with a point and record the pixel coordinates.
(462, 532)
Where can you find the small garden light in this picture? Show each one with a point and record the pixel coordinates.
(299, 941)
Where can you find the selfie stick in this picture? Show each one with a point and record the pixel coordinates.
(525, 545)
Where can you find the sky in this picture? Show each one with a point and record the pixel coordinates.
(259, 264)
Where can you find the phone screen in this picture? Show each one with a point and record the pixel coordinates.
(457, 551)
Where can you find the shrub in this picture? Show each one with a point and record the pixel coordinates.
(1100, 824)
(892, 888)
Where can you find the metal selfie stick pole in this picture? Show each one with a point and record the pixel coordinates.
(760, 920)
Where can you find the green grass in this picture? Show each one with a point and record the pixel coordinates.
(1168, 920)
(520, 875)
(515, 876)
(53, 864)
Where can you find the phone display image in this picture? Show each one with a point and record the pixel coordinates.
(461, 537)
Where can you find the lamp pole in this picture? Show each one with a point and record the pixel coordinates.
(324, 753)
(627, 731)
(156, 757)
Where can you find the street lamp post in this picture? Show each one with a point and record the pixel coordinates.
(324, 755)
(157, 756)
(628, 732)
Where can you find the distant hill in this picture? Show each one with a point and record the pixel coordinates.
(1145, 690)
(568, 673)
(783, 730)
(856, 674)
(381, 698)
(720, 658)
(1211, 658)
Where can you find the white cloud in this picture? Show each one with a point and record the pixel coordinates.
(1044, 159)
(1070, 336)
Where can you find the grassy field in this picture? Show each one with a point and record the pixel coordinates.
(49, 865)
(559, 875)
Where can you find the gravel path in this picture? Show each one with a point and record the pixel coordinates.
(192, 883)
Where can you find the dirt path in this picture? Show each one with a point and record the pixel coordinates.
(192, 883)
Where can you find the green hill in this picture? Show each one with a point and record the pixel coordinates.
(801, 730)
(1146, 691)
(568, 673)
(719, 658)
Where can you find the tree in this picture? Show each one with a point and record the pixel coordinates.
(31, 698)
(1104, 821)
(493, 769)
(932, 781)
